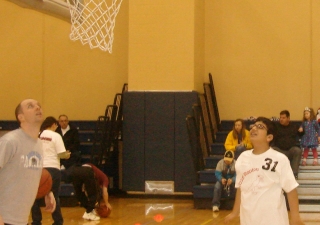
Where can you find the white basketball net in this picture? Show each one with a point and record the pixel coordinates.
(93, 21)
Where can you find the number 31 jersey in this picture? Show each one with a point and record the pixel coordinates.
(262, 179)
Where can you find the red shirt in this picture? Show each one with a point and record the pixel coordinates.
(100, 176)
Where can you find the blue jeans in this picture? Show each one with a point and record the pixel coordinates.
(217, 192)
(238, 151)
(294, 156)
(56, 215)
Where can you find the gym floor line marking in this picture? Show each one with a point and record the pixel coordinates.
(208, 221)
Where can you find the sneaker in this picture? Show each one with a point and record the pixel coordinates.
(85, 216)
(91, 216)
(215, 208)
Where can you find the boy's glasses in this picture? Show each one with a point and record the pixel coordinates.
(258, 126)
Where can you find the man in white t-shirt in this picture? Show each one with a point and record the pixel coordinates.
(262, 176)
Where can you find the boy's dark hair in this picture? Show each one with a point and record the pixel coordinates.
(285, 112)
(270, 127)
(268, 123)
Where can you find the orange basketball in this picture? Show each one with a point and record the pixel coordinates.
(102, 210)
(45, 184)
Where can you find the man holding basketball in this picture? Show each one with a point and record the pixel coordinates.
(21, 166)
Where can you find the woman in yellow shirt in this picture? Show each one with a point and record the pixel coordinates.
(238, 140)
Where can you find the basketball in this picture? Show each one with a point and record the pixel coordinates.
(45, 184)
(103, 211)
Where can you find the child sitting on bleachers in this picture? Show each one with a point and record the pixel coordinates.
(226, 176)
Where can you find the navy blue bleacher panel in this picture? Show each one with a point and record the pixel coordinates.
(221, 136)
(133, 141)
(85, 148)
(217, 149)
(67, 196)
(182, 158)
(9, 125)
(207, 176)
(159, 138)
(85, 159)
(211, 162)
(83, 124)
(203, 191)
(66, 190)
(227, 125)
(155, 141)
(202, 203)
(86, 135)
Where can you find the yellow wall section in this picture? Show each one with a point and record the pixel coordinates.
(39, 60)
(199, 44)
(21, 57)
(259, 53)
(263, 55)
(161, 45)
(315, 54)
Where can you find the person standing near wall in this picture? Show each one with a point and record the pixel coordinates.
(71, 142)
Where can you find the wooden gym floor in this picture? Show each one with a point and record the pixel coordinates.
(147, 211)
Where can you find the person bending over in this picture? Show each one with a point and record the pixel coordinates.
(91, 186)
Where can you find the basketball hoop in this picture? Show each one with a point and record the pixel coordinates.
(93, 21)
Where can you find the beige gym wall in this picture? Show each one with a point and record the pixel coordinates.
(315, 55)
(264, 56)
(166, 41)
(38, 60)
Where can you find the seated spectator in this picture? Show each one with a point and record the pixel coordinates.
(226, 176)
(238, 140)
(70, 137)
(286, 140)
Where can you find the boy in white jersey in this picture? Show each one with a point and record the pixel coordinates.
(262, 176)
